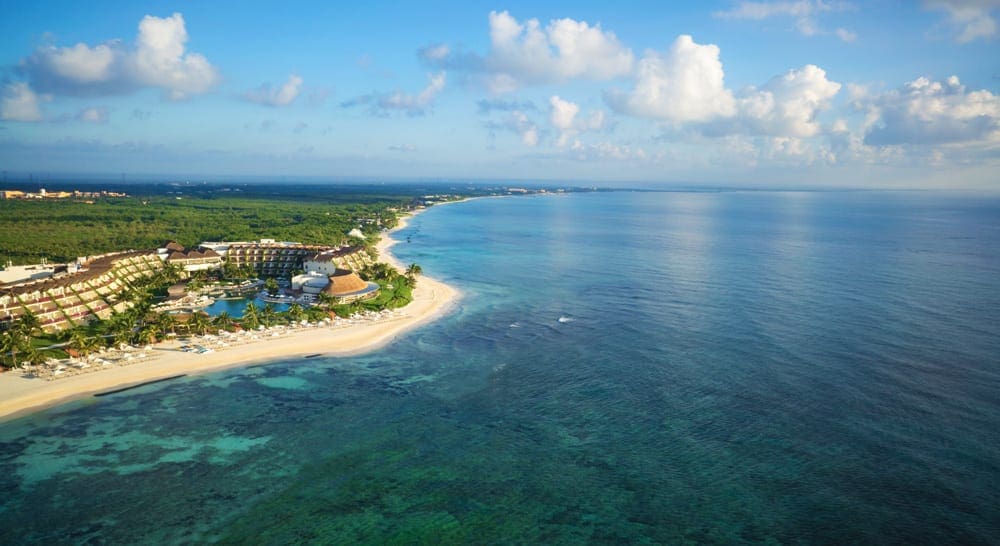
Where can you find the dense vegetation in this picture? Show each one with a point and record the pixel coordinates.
(60, 231)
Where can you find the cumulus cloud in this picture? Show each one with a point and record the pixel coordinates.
(563, 116)
(788, 105)
(805, 13)
(563, 113)
(159, 59)
(930, 112)
(970, 19)
(19, 103)
(527, 53)
(684, 84)
(413, 105)
(282, 95)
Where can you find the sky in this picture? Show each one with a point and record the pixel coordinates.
(882, 94)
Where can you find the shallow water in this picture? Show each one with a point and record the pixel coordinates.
(629, 367)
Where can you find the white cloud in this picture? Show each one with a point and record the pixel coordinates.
(94, 114)
(686, 86)
(971, 19)
(81, 63)
(563, 113)
(414, 105)
(20, 103)
(276, 96)
(805, 13)
(563, 116)
(158, 60)
(402, 101)
(682, 85)
(434, 52)
(529, 54)
(930, 112)
(787, 105)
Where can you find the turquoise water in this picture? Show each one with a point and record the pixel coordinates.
(236, 306)
(733, 367)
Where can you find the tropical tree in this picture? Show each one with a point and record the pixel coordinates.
(296, 312)
(9, 344)
(224, 321)
(81, 342)
(166, 323)
(149, 333)
(31, 355)
(326, 300)
(198, 323)
(267, 315)
(271, 286)
(121, 326)
(28, 324)
(413, 270)
(251, 316)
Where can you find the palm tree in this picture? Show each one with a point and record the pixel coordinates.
(326, 300)
(166, 322)
(149, 333)
(251, 316)
(296, 312)
(224, 321)
(28, 324)
(271, 286)
(198, 323)
(414, 270)
(81, 342)
(31, 355)
(267, 315)
(8, 348)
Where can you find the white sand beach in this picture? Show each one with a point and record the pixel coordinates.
(21, 393)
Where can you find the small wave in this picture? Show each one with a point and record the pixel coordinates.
(565, 319)
(515, 325)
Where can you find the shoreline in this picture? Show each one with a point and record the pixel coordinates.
(20, 395)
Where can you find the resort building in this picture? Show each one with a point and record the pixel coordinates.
(328, 262)
(310, 283)
(345, 286)
(74, 298)
(270, 258)
(195, 260)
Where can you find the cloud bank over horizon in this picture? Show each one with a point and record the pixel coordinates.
(517, 95)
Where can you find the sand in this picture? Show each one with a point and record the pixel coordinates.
(431, 298)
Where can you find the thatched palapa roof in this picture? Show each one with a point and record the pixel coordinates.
(344, 282)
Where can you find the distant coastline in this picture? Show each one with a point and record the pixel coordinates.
(20, 395)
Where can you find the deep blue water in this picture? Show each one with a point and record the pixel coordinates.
(735, 367)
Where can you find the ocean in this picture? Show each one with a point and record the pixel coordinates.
(626, 367)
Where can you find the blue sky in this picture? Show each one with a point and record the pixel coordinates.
(799, 92)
